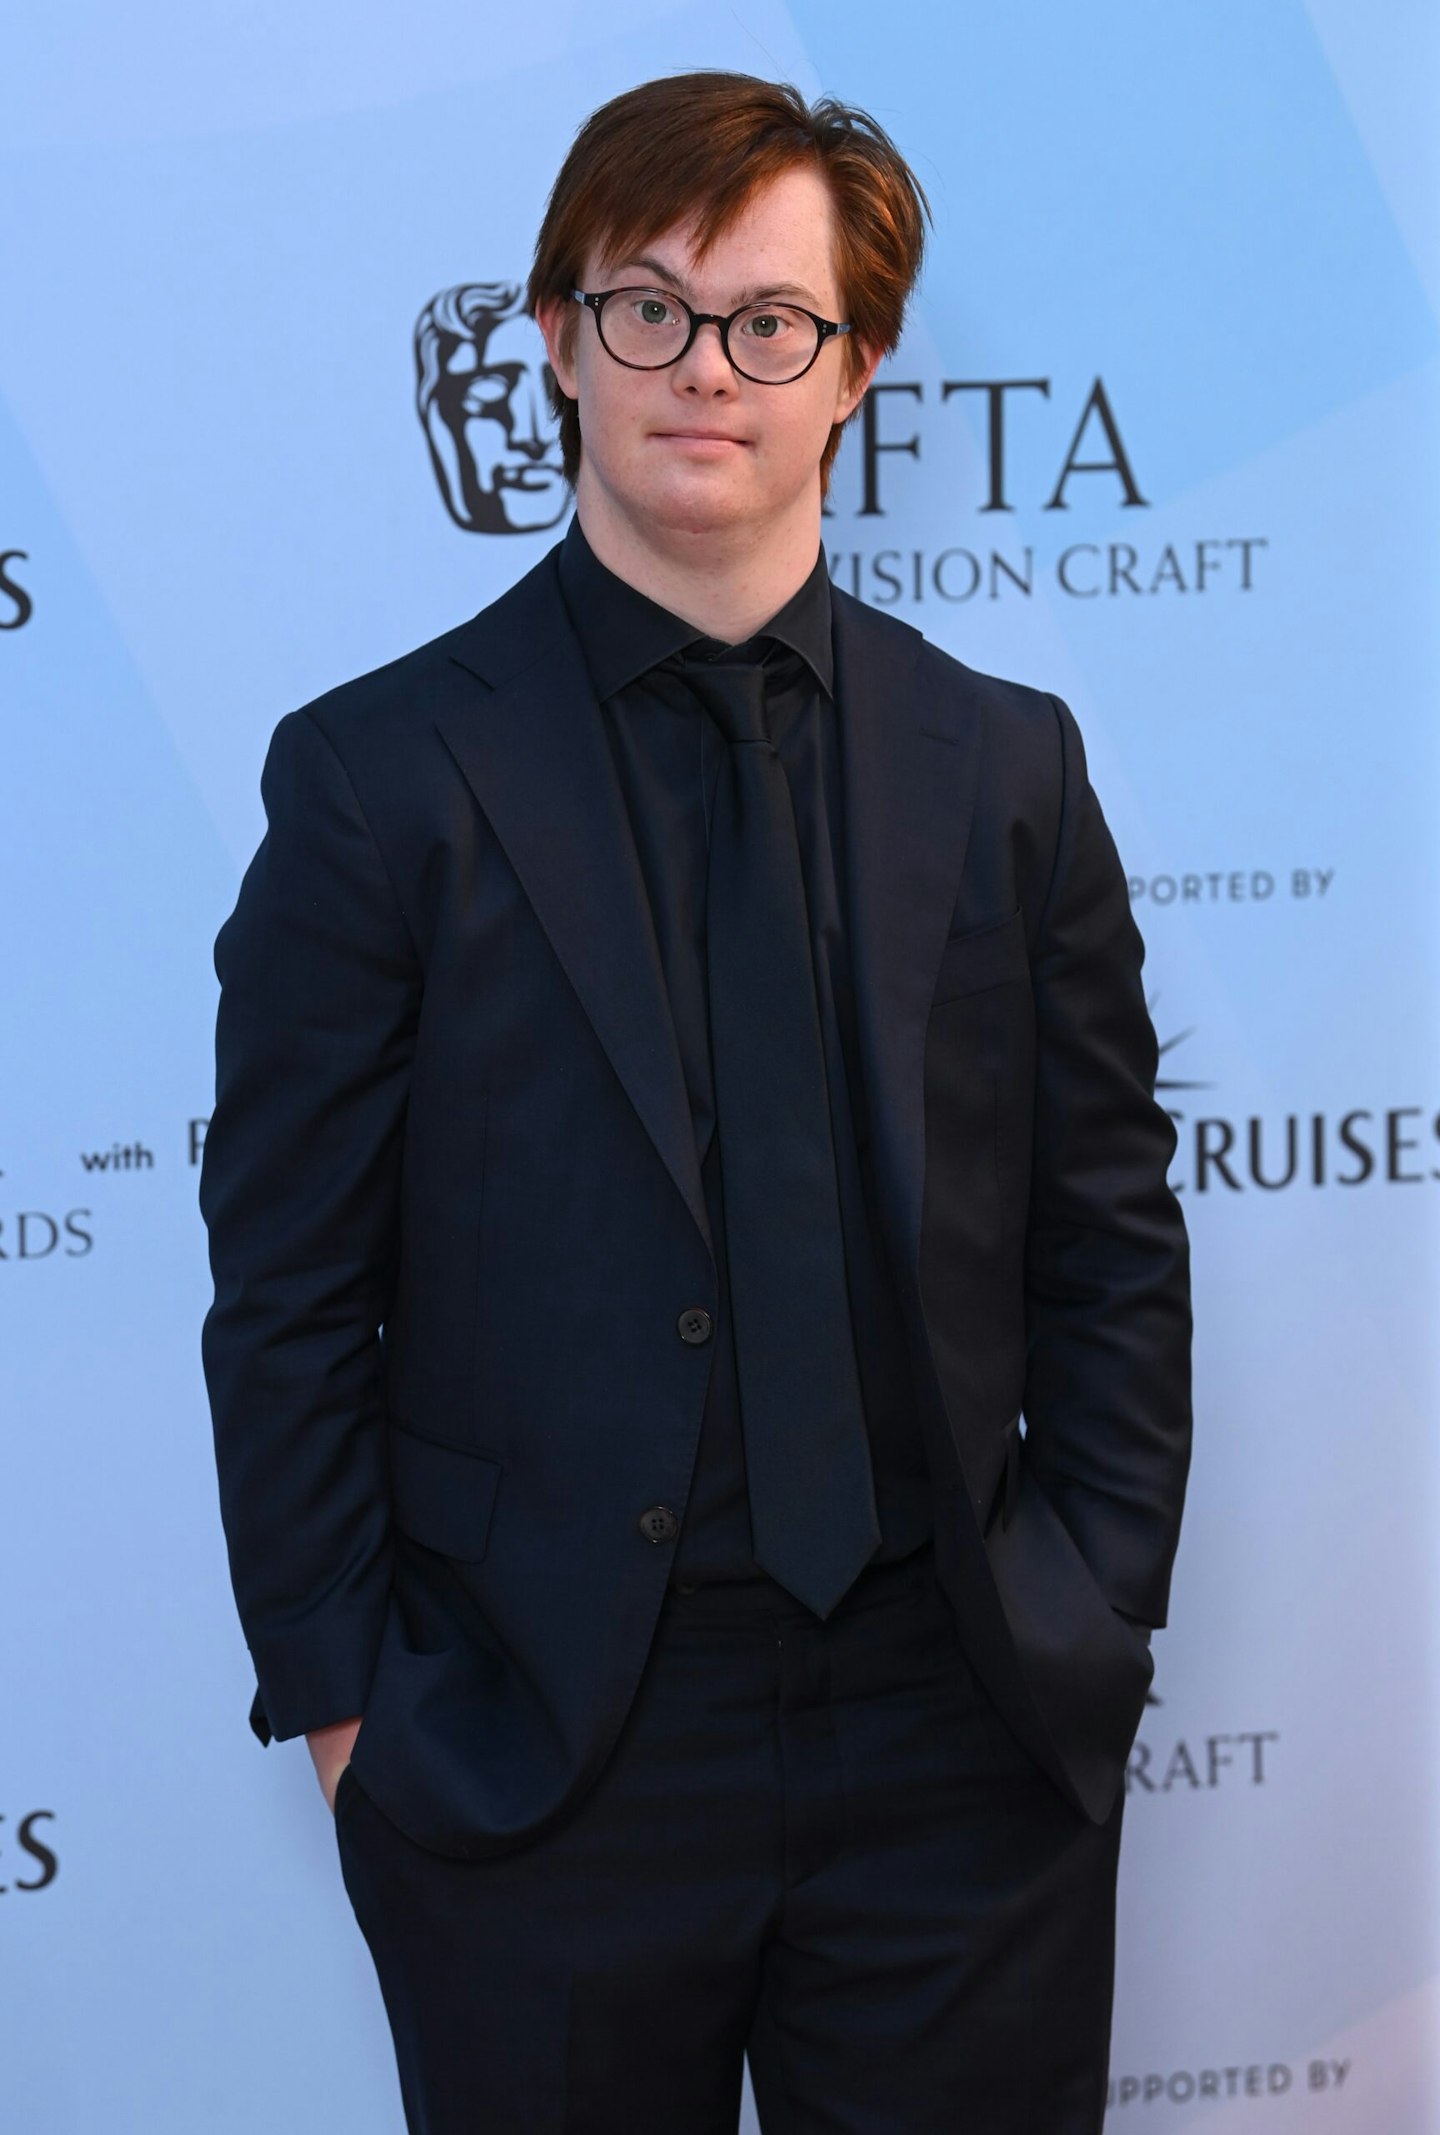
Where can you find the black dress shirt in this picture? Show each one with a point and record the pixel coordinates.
(667, 751)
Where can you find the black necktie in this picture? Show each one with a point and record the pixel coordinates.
(807, 1456)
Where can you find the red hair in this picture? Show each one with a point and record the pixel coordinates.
(703, 145)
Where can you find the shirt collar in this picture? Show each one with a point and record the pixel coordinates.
(623, 633)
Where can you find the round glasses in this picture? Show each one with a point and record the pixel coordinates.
(646, 329)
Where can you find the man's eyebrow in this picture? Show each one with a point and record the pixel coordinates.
(759, 294)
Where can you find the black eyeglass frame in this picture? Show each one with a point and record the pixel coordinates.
(592, 299)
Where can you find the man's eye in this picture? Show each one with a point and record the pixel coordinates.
(653, 312)
(765, 325)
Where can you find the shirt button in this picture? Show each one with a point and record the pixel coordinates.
(659, 1524)
(694, 1324)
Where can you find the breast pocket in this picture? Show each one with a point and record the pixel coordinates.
(991, 955)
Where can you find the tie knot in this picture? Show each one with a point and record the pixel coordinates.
(733, 692)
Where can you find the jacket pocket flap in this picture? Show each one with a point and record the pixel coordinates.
(983, 956)
(442, 1495)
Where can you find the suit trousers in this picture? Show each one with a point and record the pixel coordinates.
(816, 1844)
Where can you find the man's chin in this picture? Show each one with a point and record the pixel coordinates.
(686, 505)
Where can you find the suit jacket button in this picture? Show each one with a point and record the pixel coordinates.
(694, 1324)
(659, 1524)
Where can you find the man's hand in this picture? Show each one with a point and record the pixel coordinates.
(330, 1747)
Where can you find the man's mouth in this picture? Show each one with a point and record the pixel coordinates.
(700, 437)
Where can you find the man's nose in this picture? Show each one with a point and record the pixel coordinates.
(705, 367)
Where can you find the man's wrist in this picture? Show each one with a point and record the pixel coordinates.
(332, 1730)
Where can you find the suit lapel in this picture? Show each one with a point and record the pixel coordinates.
(535, 753)
(910, 759)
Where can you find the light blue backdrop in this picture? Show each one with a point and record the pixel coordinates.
(216, 500)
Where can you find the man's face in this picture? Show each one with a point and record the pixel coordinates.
(695, 447)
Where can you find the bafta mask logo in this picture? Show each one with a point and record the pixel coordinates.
(481, 374)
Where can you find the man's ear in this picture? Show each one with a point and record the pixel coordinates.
(552, 318)
(855, 390)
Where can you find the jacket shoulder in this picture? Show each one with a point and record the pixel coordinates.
(1019, 710)
(1017, 716)
(373, 713)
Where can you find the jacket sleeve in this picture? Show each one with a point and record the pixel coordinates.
(299, 1190)
(1108, 1316)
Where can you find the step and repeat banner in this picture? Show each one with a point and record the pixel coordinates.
(1162, 437)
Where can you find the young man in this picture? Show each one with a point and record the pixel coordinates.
(684, 1093)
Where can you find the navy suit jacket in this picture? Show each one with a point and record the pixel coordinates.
(455, 1214)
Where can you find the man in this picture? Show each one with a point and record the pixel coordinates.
(684, 1094)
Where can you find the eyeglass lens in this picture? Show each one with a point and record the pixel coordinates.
(770, 342)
